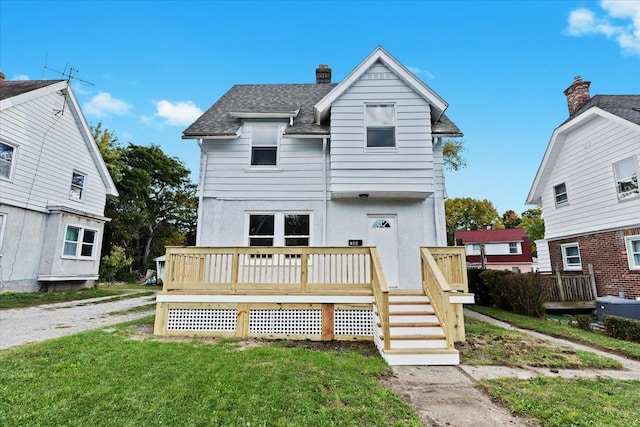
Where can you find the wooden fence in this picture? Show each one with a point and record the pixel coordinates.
(561, 287)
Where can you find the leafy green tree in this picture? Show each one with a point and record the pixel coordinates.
(465, 213)
(533, 224)
(452, 153)
(114, 263)
(510, 219)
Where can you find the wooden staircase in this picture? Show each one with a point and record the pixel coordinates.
(417, 336)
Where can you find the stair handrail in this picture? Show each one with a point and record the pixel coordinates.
(381, 296)
(438, 291)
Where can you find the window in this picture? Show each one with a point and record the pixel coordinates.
(633, 251)
(264, 145)
(560, 193)
(626, 175)
(380, 121)
(77, 185)
(279, 229)
(79, 242)
(513, 247)
(515, 269)
(571, 256)
(6, 160)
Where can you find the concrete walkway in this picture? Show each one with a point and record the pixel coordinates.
(446, 396)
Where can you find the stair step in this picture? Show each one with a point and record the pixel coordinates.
(410, 324)
(422, 337)
(393, 299)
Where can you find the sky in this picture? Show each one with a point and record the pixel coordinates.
(502, 66)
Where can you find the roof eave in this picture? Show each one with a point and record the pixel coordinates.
(211, 136)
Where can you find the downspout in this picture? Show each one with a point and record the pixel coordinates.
(324, 191)
(203, 163)
(436, 210)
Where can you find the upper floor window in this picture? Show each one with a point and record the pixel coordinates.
(264, 145)
(77, 186)
(560, 194)
(279, 229)
(626, 175)
(380, 121)
(513, 247)
(79, 242)
(571, 256)
(7, 153)
(633, 251)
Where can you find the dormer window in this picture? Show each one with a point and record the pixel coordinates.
(264, 145)
(77, 186)
(560, 194)
(380, 121)
(626, 175)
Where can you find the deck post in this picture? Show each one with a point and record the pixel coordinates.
(304, 269)
(328, 328)
(560, 285)
(592, 279)
(242, 321)
(235, 261)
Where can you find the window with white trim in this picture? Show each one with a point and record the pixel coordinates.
(79, 242)
(513, 248)
(625, 173)
(571, 256)
(264, 144)
(77, 186)
(560, 194)
(7, 156)
(380, 123)
(515, 269)
(633, 251)
(279, 229)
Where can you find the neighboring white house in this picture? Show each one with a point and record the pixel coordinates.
(354, 163)
(587, 186)
(53, 187)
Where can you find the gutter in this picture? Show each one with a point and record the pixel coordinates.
(203, 159)
(324, 191)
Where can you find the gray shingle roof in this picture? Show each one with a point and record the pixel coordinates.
(272, 98)
(625, 106)
(445, 126)
(9, 89)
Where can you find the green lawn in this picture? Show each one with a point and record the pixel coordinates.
(556, 329)
(491, 345)
(105, 378)
(578, 402)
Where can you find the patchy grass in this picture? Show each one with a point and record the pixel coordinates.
(559, 330)
(106, 377)
(30, 299)
(491, 345)
(576, 402)
(138, 309)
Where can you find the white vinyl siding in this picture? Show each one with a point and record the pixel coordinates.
(571, 256)
(584, 163)
(355, 168)
(632, 244)
(51, 148)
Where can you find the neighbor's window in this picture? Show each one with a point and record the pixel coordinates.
(380, 121)
(626, 175)
(279, 229)
(77, 186)
(571, 256)
(560, 193)
(264, 145)
(633, 251)
(513, 247)
(6, 160)
(515, 269)
(79, 242)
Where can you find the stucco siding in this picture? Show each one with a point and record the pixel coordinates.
(49, 148)
(585, 165)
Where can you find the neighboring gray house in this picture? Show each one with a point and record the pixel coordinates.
(354, 163)
(587, 186)
(53, 188)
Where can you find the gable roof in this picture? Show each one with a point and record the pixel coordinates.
(262, 100)
(16, 92)
(487, 236)
(623, 109)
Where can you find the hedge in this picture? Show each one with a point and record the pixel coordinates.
(622, 328)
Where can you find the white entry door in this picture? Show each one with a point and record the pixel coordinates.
(383, 234)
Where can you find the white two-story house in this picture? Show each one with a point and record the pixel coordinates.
(587, 186)
(53, 188)
(354, 163)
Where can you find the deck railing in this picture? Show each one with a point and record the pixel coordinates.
(561, 287)
(443, 275)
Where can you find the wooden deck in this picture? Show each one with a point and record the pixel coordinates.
(570, 292)
(317, 293)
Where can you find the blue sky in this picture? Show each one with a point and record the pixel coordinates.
(502, 66)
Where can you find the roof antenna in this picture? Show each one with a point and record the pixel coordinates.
(68, 75)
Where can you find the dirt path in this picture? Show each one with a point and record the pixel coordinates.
(33, 324)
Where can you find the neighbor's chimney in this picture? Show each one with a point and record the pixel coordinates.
(323, 74)
(577, 94)
(2, 76)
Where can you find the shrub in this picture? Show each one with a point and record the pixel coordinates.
(516, 292)
(478, 287)
(114, 264)
(583, 321)
(622, 328)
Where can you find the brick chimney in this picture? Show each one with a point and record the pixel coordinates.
(2, 76)
(323, 74)
(577, 94)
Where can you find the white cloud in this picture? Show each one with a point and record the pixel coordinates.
(621, 21)
(104, 104)
(21, 77)
(177, 114)
(417, 71)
